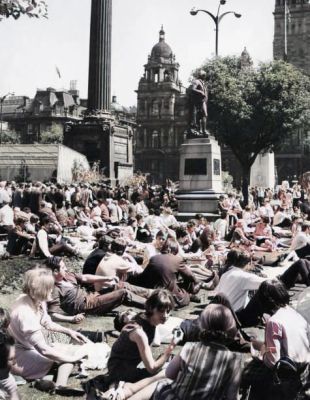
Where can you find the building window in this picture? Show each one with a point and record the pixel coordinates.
(155, 108)
(156, 76)
(155, 165)
(155, 140)
(141, 106)
(164, 138)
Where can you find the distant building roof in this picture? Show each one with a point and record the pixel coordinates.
(33, 154)
(44, 103)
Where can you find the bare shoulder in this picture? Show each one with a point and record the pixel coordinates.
(138, 335)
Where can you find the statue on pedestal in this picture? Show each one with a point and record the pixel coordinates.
(198, 98)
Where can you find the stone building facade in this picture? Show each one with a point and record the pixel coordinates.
(298, 32)
(161, 115)
(46, 113)
(294, 157)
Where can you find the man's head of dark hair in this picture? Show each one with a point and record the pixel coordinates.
(118, 246)
(160, 233)
(265, 220)
(139, 217)
(45, 220)
(170, 247)
(191, 223)
(104, 242)
(34, 219)
(53, 263)
(20, 220)
(223, 214)
(180, 232)
(273, 295)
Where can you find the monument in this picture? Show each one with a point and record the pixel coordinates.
(263, 171)
(200, 158)
(99, 75)
(103, 136)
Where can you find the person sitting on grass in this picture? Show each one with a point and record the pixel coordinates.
(70, 298)
(134, 346)
(44, 244)
(263, 235)
(206, 369)
(92, 261)
(163, 271)
(29, 319)
(8, 386)
(236, 282)
(203, 370)
(19, 241)
(286, 336)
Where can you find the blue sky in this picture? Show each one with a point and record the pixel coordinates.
(30, 49)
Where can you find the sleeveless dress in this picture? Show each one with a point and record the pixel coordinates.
(125, 356)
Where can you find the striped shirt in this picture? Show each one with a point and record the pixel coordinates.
(208, 372)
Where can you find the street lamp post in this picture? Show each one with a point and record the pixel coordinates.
(1, 108)
(217, 19)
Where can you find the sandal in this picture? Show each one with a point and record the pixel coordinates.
(115, 393)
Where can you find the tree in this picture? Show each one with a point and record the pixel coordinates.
(10, 137)
(16, 8)
(53, 135)
(253, 110)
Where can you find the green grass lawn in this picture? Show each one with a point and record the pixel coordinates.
(11, 276)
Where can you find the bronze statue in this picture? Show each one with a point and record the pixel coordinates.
(198, 98)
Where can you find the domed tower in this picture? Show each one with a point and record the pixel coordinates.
(160, 114)
(245, 60)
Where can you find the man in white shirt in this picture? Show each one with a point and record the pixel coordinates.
(4, 194)
(6, 218)
(236, 283)
(152, 249)
(44, 247)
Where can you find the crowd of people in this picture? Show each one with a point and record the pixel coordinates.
(133, 251)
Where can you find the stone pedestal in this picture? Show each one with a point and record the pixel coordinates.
(200, 176)
(263, 171)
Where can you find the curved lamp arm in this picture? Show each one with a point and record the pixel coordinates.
(229, 12)
(194, 12)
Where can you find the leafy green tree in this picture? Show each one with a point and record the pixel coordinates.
(10, 137)
(53, 135)
(252, 110)
(16, 8)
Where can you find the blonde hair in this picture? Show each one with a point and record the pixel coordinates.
(38, 283)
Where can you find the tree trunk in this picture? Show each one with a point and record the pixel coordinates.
(245, 184)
